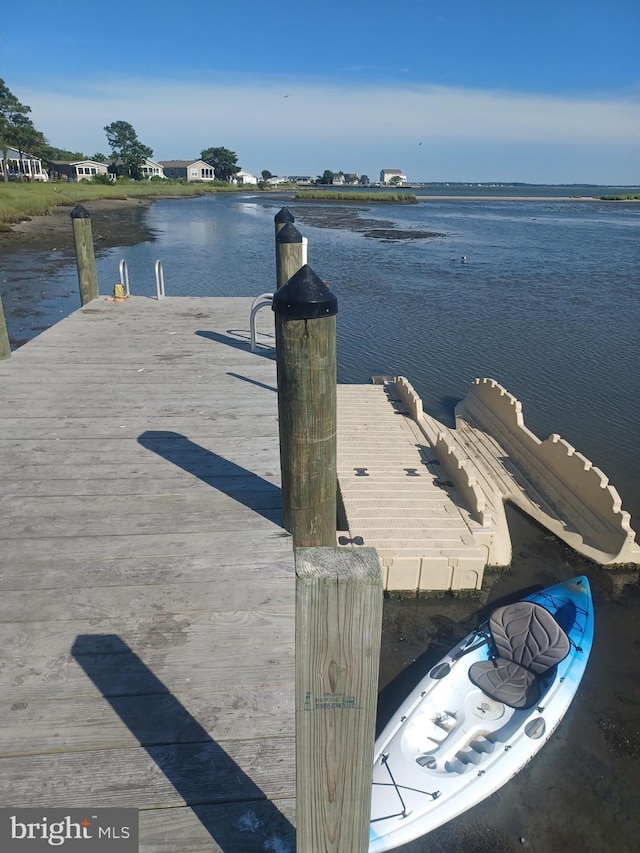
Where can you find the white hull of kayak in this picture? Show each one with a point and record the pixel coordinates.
(449, 746)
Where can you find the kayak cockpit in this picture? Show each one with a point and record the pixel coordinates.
(528, 642)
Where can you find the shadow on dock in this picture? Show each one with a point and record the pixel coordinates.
(252, 381)
(237, 342)
(233, 480)
(200, 770)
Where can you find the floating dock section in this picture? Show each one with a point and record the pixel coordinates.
(396, 497)
(432, 499)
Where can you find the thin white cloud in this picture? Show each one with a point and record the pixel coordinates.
(178, 119)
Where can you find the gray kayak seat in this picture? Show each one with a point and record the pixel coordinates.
(528, 642)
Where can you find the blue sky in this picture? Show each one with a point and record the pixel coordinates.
(545, 91)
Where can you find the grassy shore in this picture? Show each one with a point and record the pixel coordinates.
(331, 195)
(20, 201)
(620, 197)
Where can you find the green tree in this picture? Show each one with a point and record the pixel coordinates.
(127, 148)
(326, 177)
(364, 181)
(11, 112)
(25, 138)
(266, 174)
(53, 153)
(224, 162)
(100, 158)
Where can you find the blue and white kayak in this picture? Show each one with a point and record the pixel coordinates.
(481, 714)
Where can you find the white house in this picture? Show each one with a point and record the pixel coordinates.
(188, 170)
(148, 169)
(243, 177)
(78, 170)
(151, 169)
(22, 165)
(387, 176)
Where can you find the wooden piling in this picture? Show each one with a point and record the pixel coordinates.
(305, 327)
(290, 253)
(338, 629)
(5, 347)
(85, 258)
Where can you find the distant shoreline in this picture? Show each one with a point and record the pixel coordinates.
(506, 198)
(54, 229)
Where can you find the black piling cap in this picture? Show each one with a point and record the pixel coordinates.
(288, 234)
(80, 212)
(284, 215)
(304, 297)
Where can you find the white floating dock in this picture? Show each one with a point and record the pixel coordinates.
(396, 498)
(431, 499)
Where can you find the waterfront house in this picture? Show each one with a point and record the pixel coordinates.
(22, 166)
(77, 170)
(151, 169)
(387, 176)
(148, 169)
(301, 179)
(188, 170)
(243, 177)
(338, 180)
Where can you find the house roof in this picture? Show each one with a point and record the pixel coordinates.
(76, 162)
(14, 154)
(181, 164)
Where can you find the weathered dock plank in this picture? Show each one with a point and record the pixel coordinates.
(192, 665)
(232, 828)
(91, 724)
(76, 427)
(139, 601)
(215, 630)
(228, 518)
(143, 545)
(26, 571)
(159, 776)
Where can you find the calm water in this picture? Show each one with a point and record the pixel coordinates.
(547, 301)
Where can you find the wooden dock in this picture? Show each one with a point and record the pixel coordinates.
(146, 586)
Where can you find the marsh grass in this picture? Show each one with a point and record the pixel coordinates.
(20, 201)
(329, 195)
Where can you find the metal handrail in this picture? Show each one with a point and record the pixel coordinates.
(265, 300)
(124, 276)
(160, 280)
(159, 271)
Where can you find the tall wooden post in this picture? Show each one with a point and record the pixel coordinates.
(290, 253)
(305, 326)
(5, 347)
(338, 629)
(85, 258)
